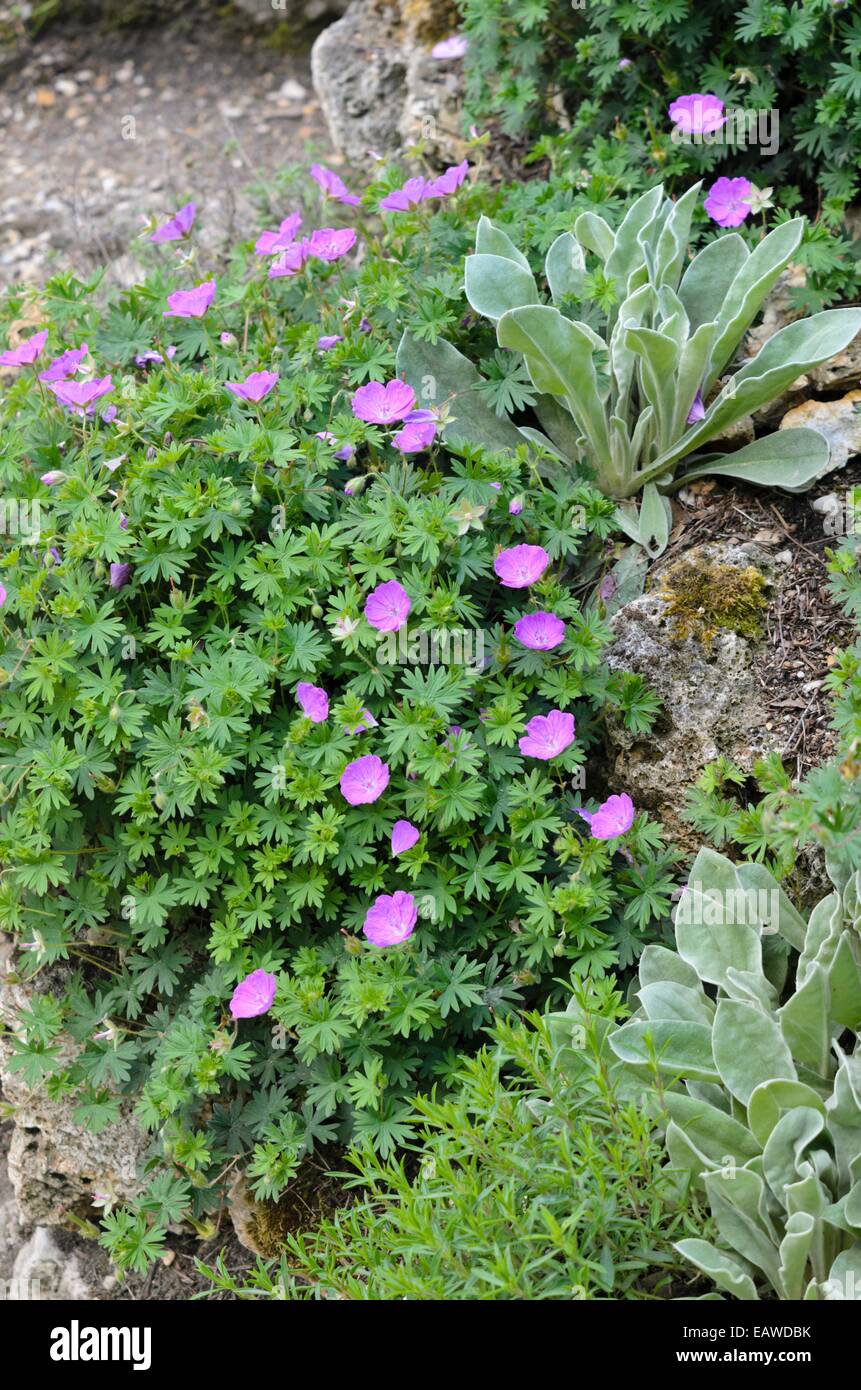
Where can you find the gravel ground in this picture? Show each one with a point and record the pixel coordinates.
(102, 130)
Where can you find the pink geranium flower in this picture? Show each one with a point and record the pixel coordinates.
(120, 575)
(418, 433)
(25, 354)
(190, 304)
(364, 780)
(254, 387)
(292, 259)
(328, 341)
(333, 186)
(143, 359)
(413, 192)
(381, 405)
(272, 243)
(404, 836)
(701, 113)
(178, 227)
(548, 735)
(314, 702)
(521, 566)
(330, 243)
(344, 452)
(390, 920)
(541, 632)
(65, 365)
(387, 607)
(254, 995)
(80, 395)
(449, 182)
(454, 46)
(614, 817)
(727, 201)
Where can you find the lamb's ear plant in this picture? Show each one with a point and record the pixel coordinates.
(625, 399)
(749, 1035)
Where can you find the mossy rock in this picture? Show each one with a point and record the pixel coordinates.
(264, 1227)
(704, 598)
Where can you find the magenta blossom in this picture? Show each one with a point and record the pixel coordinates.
(521, 566)
(314, 702)
(272, 243)
(701, 113)
(80, 395)
(418, 433)
(344, 452)
(364, 780)
(413, 192)
(3, 595)
(65, 365)
(541, 632)
(449, 182)
(727, 201)
(178, 227)
(333, 186)
(292, 259)
(381, 405)
(387, 607)
(404, 836)
(143, 359)
(328, 340)
(254, 995)
(614, 817)
(454, 46)
(330, 243)
(697, 410)
(120, 575)
(25, 354)
(390, 920)
(254, 387)
(190, 304)
(548, 735)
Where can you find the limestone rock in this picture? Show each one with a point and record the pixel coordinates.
(44, 1271)
(708, 690)
(359, 69)
(841, 371)
(55, 1166)
(837, 420)
(378, 85)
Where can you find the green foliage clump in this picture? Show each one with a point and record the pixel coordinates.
(629, 367)
(750, 1036)
(534, 1183)
(171, 821)
(592, 84)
